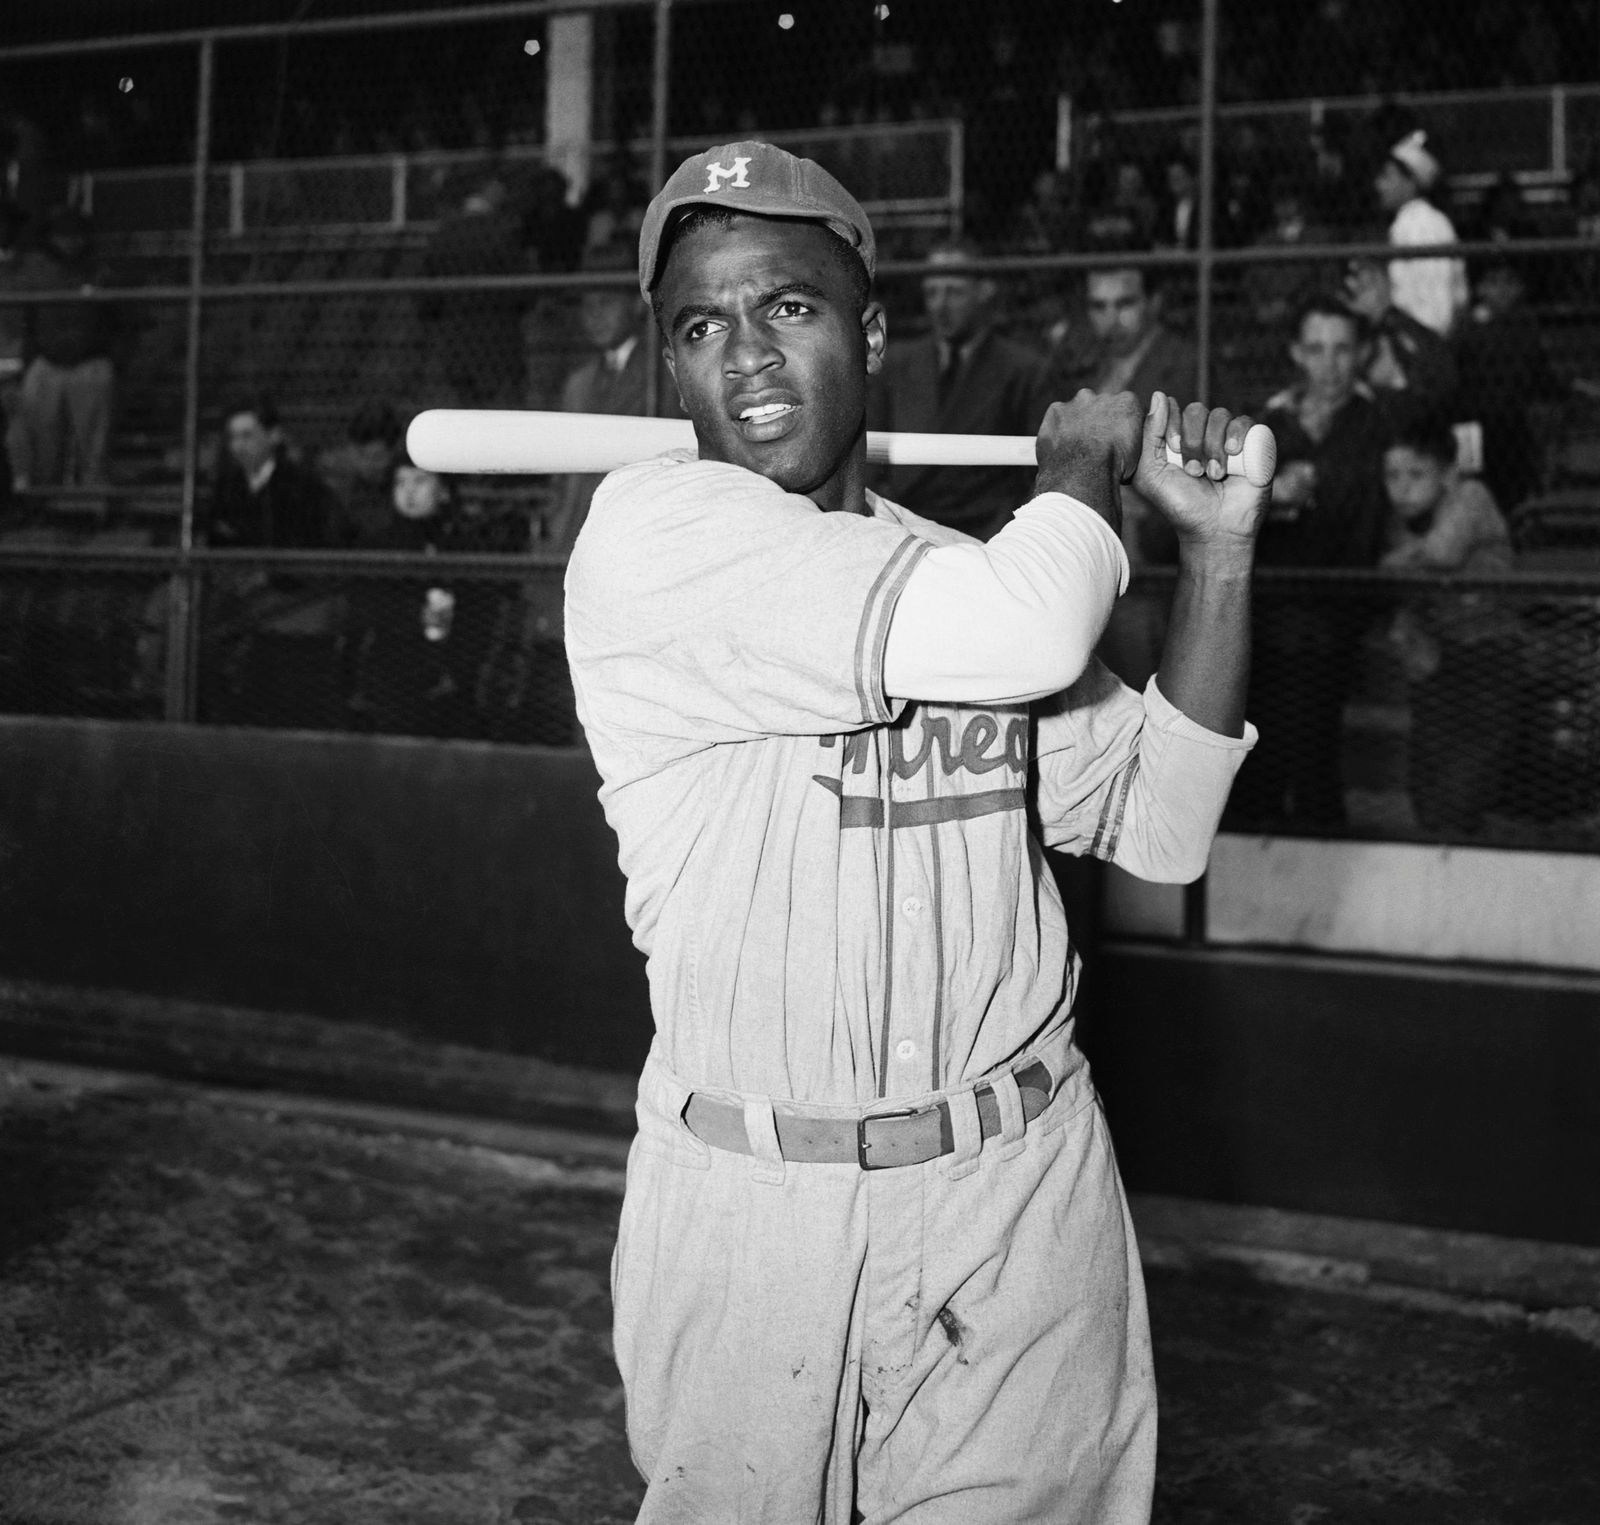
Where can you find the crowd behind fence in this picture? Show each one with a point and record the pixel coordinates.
(320, 284)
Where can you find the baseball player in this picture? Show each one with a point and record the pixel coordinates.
(874, 1261)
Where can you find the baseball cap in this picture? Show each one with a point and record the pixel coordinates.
(764, 181)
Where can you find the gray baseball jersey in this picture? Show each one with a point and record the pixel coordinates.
(839, 893)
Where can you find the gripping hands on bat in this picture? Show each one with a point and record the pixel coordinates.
(1207, 472)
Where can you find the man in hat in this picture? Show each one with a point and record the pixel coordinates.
(960, 378)
(611, 379)
(1433, 291)
(874, 1260)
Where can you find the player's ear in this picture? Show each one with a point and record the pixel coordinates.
(671, 361)
(875, 330)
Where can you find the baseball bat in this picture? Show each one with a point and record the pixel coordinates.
(478, 441)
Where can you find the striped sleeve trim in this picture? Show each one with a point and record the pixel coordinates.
(873, 635)
(1109, 832)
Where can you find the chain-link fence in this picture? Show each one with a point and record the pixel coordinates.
(278, 242)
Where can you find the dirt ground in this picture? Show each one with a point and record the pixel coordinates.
(219, 1313)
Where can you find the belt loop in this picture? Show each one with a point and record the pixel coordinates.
(664, 1095)
(1013, 1124)
(967, 1133)
(761, 1128)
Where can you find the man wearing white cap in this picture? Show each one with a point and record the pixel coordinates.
(874, 1263)
(1433, 291)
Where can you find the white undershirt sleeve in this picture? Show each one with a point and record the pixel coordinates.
(1012, 620)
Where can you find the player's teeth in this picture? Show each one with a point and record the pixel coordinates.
(766, 409)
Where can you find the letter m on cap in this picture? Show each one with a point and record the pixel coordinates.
(734, 174)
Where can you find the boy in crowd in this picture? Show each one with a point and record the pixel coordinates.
(1458, 650)
(1327, 510)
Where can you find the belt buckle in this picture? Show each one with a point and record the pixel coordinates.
(861, 1135)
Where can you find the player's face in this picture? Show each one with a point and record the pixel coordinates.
(1119, 308)
(1328, 353)
(1414, 482)
(771, 353)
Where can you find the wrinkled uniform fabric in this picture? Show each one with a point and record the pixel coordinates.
(845, 907)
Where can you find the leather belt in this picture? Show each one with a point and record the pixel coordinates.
(877, 1141)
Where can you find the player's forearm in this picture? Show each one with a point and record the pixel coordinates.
(1173, 804)
(1205, 663)
(1011, 620)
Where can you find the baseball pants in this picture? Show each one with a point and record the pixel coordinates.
(935, 1344)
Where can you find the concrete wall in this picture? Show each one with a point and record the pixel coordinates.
(1441, 1095)
(467, 894)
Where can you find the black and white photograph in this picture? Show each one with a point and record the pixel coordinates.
(800, 762)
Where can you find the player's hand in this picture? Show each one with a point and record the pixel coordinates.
(1088, 447)
(1201, 502)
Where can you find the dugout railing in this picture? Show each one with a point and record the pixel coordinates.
(1387, 714)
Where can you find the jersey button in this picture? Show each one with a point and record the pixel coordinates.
(911, 906)
(905, 1049)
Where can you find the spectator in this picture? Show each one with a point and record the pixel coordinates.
(552, 231)
(264, 497)
(1129, 348)
(613, 377)
(1505, 375)
(1126, 219)
(1433, 291)
(70, 379)
(613, 206)
(1459, 650)
(27, 176)
(360, 472)
(476, 336)
(1048, 221)
(276, 636)
(524, 690)
(1504, 215)
(13, 330)
(553, 238)
(960, 378)
(1179, 223)
(1327, 510)
(1409, 370)
(1276, 289)
(1243, 206)
(419, 644)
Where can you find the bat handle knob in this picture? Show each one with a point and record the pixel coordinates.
(1256, 461)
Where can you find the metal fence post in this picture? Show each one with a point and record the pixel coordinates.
(660, 74)
(183, 606)
(1208, 196)
(1194, 895)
